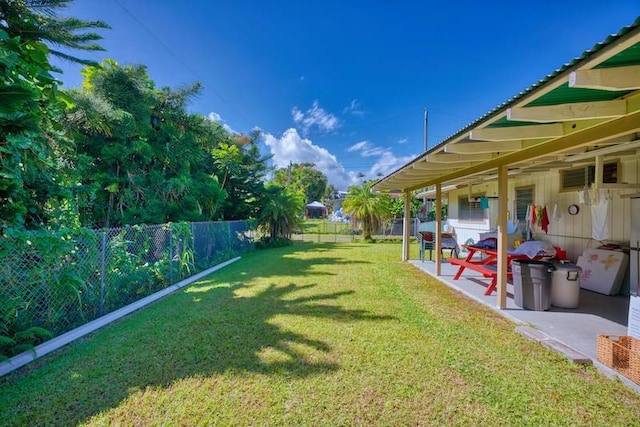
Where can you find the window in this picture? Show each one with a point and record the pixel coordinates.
(577, 178)
(470, 210)
(524, 199)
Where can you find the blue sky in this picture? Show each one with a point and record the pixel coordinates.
(344, 84)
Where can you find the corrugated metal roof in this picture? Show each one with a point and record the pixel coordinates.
(629, 55)
(549, 95)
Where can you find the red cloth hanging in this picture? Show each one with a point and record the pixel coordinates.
(545, 219)
(533, 215)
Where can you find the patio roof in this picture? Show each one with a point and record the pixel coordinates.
(588, 107)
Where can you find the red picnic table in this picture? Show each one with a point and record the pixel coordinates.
(487, 265)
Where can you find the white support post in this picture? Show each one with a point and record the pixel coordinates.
(502, 235)
(598, 179)
(406, 227)
(438, 247)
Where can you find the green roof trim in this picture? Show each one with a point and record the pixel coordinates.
(504, 123)
(569, 95)
(561, 95)
(626, 58)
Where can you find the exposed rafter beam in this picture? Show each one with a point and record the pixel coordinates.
(617, 78)
(483, 147)
(457, 158)
(613, 149)
(440, 166)
(509, 133)
(611, 129)
(567, 112)
(420, 172)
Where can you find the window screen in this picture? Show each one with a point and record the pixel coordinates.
(469, 210)
(577, 178)
(524, 199)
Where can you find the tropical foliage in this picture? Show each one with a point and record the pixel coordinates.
(366, 208)
(241, 171)
(139, 156)
(33, 149)
(118, 151)
(305, 178)
(397, 206)
(281, 212)
(36, 21)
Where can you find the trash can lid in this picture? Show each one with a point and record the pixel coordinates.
(534, 262)
(567, 266)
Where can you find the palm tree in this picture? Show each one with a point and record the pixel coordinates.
(36, 20)
(366, 207)
(281, 211)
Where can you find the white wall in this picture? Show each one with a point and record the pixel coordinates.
(570, 232)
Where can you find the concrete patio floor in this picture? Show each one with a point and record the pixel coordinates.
(576, 328)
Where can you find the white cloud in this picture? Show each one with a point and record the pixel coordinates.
(357, 146)
(366, 149)
(315, 117)
(353, 108)
(403, 141)
(215, 117)
(291, 147)
(386, 163)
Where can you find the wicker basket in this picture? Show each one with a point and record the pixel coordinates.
(621, 353)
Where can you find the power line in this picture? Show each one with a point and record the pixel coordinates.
(172, 53)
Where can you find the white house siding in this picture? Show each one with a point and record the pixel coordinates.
(572, 233)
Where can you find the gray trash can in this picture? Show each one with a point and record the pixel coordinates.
(565, 285)
(532, 284)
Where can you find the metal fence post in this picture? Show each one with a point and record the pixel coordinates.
(170, 254)
(103, 269)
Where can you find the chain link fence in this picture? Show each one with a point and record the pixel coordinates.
(330, 231)
(52, 282)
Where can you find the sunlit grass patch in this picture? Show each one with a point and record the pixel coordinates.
(313, 334)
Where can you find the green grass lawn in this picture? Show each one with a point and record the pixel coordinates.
(313, 334)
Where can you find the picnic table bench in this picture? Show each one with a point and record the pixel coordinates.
(487, 270)
(486, 266)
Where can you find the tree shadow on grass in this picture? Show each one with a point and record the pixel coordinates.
(290, 264)
(210, 329)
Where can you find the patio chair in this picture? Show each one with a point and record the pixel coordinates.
(427, 241)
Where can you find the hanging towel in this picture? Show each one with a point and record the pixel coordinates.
(539, 215)
(533, 215)
(545, 220)
(587, 200)
(594, 196)
(556, 213)
(484, 202)
(599, 229)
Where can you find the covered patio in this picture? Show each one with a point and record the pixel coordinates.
(583, 115)
(574, 133)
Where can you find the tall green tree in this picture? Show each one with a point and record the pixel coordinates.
(366, 207)
(303, 177)
(241, 169)
(140, 156)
